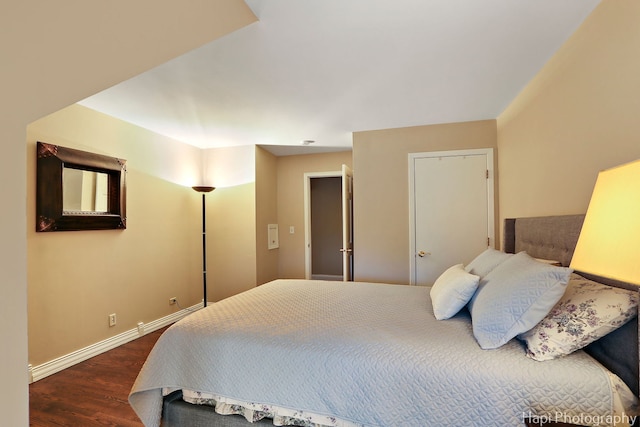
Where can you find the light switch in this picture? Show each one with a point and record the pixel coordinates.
(292, 229)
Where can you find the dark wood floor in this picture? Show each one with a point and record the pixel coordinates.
(94, 392)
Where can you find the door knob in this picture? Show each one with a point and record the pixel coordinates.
(422, 254)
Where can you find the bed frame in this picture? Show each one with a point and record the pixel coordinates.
(552, 238)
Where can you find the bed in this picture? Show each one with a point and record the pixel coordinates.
(308, 352)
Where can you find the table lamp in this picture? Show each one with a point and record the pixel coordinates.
(609, 242)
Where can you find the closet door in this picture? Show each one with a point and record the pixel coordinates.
(452, 210)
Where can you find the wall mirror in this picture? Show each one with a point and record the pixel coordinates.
(78, 190)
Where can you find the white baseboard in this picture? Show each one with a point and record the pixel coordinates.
(56, 365)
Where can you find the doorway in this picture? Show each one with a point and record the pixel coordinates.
(328, 225)
(452, 210)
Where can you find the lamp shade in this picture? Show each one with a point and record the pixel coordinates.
(609, 242)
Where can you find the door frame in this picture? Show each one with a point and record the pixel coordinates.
(346, 171)
(347, 224)
(488, 152)
(307, 215)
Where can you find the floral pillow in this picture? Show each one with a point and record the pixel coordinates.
(586, 312)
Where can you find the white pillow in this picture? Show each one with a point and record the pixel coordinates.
(587, 311)
(451, 291)
(486, 261)
(514, 297)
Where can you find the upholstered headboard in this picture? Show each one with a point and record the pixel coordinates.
(555, 238)
(549, 237)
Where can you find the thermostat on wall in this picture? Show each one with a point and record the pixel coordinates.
(272, 234)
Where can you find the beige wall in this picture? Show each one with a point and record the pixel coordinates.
(231, 240)
(13, 258)
(231, 220)
(76, 279)
(55, 54)
(381, 190)
(577, 116)
(291, 170)
(266, 213)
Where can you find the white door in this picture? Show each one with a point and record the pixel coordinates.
(347, 224)
(452, 210)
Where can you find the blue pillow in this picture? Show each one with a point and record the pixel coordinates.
(452, 291)
(514, 297)
(486, 261)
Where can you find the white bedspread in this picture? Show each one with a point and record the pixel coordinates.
(371, 354)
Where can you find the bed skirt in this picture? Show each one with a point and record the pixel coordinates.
(178, 413)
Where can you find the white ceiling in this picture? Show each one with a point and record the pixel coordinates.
(322, 69)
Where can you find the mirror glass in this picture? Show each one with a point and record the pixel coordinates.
(84, 191)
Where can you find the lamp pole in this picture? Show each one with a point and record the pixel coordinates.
(204, 190)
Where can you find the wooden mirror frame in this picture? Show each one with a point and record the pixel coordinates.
(50, 215)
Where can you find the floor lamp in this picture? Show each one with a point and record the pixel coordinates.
(204, 190)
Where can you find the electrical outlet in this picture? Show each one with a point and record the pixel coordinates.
(112, 319)
(173, 300)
